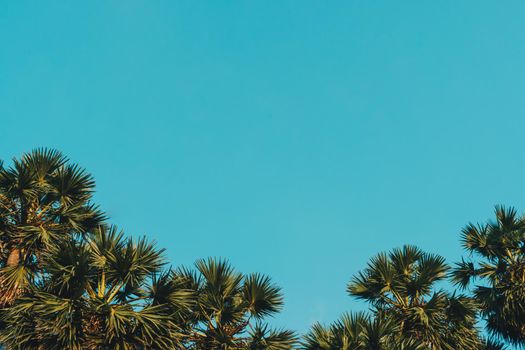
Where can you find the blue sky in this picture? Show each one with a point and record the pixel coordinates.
(295, 138)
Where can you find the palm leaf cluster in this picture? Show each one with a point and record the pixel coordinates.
(44, 200)
(228, 307)
(401, 285)
(93, 295)
(69, 280)
(407, 311)
(359, 331)
(498, 261)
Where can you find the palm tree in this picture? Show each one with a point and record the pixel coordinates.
(399, 286)
(94, 295)
(358, 331)
(499, 247)
(43, 200)
(228, 309)
(69, 281)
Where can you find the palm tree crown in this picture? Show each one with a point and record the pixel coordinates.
(94, 295)
(43, 200)
(229, 308)
(499, 247)
(359, 331)
(399, 285)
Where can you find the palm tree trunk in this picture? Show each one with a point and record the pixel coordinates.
(14, 257)
(9, 294)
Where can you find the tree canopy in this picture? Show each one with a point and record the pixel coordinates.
(71, 280)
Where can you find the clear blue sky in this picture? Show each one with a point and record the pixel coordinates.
(295, 138)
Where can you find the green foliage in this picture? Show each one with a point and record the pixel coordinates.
(44, 199)
(400, 288)
(229, 308)
(93, 295)
(359, 331)
(498, 250)
(69, 280)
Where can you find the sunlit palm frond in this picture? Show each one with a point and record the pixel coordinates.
(43, 162)
(261, 296)
(499, 263)
(71, 184)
